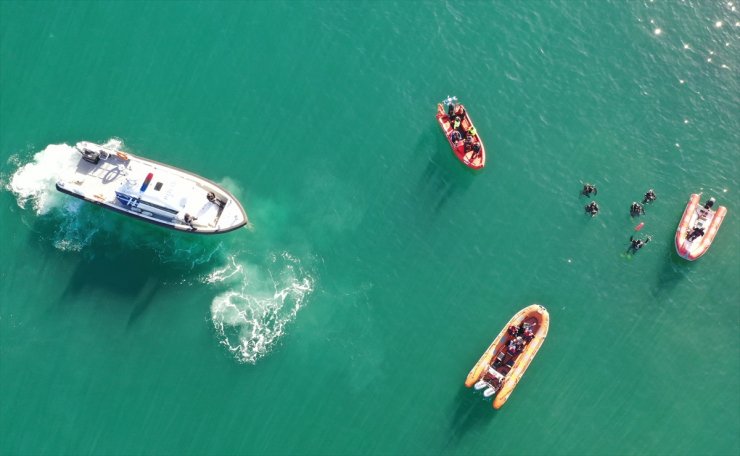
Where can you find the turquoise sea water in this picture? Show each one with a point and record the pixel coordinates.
(376, 268)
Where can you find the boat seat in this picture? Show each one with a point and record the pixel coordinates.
(495, 373)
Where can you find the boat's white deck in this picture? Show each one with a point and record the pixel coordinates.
(173, 191)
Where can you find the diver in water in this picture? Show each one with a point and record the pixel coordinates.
(649, 197)
(637, 244)
(636, 209)
(589, 189)
(592, 208)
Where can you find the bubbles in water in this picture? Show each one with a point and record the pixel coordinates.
(250, 317)
(658, 31)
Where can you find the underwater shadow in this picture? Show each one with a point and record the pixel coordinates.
(444, 175)
(128, 275)
(471, 412)
(675, 269)
(111, 263)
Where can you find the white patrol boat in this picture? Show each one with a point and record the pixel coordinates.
(152, 191)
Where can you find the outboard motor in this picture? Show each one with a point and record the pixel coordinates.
(480, 384)
(710, 203)
(489, 392)
(90, 156)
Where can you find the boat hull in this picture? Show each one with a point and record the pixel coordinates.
(515, 371)
(467, 159)
(151, 191)
(692, 250)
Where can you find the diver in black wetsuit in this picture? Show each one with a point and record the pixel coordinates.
(636, 209)
(476, 150)
(589, 189)
(637, 244)
(695, 233)
(592, 208)
(649, 197)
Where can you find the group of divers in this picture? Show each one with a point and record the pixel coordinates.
(461, 138)
(520, 336)
(636, 209)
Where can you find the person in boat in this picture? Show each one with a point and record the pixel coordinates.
(649, 197)
(528, 334)
(589, 189)
(459, 111)
(636, 209)
(476, 151)
(471, 131)
(513, 349)
(695, 233)
(468, 144)
(513, 331)
(592, 208)
(456, 123)
(637, 244)
(455, 136)
(451, 109)
(189, 219)
(212, 198)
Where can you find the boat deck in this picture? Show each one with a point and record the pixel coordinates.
(155, 192)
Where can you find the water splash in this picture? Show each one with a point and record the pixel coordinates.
(250, 317)
(33, 185)
(34, 182)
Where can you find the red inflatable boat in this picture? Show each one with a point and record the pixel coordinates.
(474, 155)
(698, 227)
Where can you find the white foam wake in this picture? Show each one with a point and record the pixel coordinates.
(34, 187)
(251, 316)
(33, 183)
